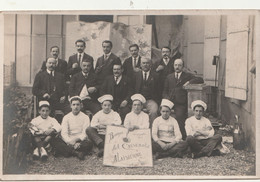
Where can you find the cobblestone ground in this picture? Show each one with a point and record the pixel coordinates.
(236, 163)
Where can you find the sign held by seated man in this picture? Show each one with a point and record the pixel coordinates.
(128, 149)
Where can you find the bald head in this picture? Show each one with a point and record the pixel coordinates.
(145, 64)
(178, 65)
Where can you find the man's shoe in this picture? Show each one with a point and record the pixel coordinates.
(36, 154)
(44, 154)
(101, 152)
(80, 155)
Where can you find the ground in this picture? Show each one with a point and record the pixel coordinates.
(236, 163)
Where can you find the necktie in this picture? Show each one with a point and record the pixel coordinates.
(106, 56)
(86, 76)
(79, 58)
(116, 79)
(51, 73)
(134, 62)
(145, 76)
(177, 76)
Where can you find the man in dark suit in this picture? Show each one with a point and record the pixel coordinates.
(50, 85)
(174, 91)
(105, 63)
(76, 59)
(146, 83)
(164, 67)
(121, 88)
(84, 84)
(60, 66)
(132, 64)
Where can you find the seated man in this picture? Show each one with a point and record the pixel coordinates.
(43, 129)
(120, 87)
(84, 85)
(166, 134)
(200, 133)
(50, 85)
(137, 119)
(101, 120)
(74, 141)
(146, 83)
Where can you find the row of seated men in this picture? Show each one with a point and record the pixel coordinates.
(76, 134)
(164, 79)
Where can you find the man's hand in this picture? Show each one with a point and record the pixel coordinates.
(185, 84)
(123, 104)
(170, 145)
(159, 68)
(49, 131)
(101, 126)
(40, 132)
(76, 145)
(46, 96)
(75, 65)
(137, 69)
(163, 145)
(62, 99)
(92, 89)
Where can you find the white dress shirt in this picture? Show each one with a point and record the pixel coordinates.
(141, 120)
(74, 127)
(166, 130)
(40, 124)
(192, 125)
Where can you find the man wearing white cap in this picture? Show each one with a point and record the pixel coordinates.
(101, 120)
(74, 141)
(200, 133)
(146, 82)
(43, 129)
(167, 138)
(137, 119)
(174, 91)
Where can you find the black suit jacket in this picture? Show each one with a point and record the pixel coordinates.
(104, 67)
(61, 68)
(74, 59)
(78, 81)
(44, 83)
(128, 66)
(173, 88)
(125, 86)
(152, 82)
(168, 69)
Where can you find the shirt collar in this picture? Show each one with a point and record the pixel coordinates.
(137, 58)
(48, 71)
(108, 54)
(84, 74)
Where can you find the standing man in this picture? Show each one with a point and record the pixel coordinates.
(76, 59)
(50, 85)
(164, 67)
(174, 91)
(132, 64)
(60, 66)
(84, 85)
(105, 63)
(146, 83)
(121, 88)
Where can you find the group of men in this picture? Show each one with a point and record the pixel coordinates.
(59, 80)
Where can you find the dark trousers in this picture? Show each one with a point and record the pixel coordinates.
(122, 111)
(92, 106)
(61, 148)
(203, 147)
(96, 138)
(181, 114)
(178, 150)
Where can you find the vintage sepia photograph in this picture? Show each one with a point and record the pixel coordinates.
(130, 94)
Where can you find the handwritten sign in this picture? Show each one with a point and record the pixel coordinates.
(128, 149)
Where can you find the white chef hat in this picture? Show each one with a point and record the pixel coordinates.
(168, 103)
(75, 98)
(44, 103)
(200, 103)
(138, 97)
(105, 97)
